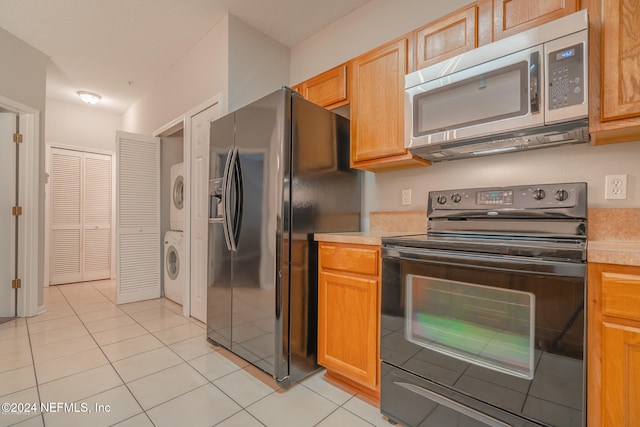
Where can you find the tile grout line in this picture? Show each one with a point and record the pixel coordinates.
(174, 352)
(35, 374)
(183, 359)
(109, 362)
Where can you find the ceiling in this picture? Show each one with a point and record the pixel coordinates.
(118, 48)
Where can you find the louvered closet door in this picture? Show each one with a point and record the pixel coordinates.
(138, 196)
(96, 226)
(81, 197)
(66, 216)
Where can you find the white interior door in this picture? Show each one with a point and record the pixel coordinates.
(139, 246)
(200, 208)
(80, 216)
(7, 220)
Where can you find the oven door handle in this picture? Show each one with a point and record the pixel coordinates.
(527, 265)
(458, 407)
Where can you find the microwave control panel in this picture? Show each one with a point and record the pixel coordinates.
(566, 77)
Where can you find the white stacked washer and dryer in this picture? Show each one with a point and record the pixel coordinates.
(173, 239)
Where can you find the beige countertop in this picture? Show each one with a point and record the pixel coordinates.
(382, 224)
(359, 237)
(614, 236)
(625, 252)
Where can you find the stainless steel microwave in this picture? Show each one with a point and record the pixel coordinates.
(526, 91)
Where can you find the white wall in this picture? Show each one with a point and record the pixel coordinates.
(23, 72)
(199, 75)
(367, 27)
(258, 65)
(23, 79)
(82, 127)
(379, 21)
(576, 163)
(233, 59)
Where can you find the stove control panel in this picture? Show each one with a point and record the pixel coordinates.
(521, 197)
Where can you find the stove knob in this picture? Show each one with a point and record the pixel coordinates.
(442, 199)
(455, 197)
(561, 195)
(539, 194)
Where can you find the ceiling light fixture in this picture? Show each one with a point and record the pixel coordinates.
(89, 97)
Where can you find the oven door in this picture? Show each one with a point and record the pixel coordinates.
(494, 331)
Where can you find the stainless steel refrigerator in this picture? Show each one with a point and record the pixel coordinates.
(279, 172)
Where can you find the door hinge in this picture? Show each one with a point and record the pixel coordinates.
(16, 283)
(17, 138)
(16, 210)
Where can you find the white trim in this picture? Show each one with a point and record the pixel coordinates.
(29, 176)
(80, 148)
(171, 127)
(47, 203)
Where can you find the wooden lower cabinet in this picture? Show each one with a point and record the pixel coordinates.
(348, 315)
(613, 390)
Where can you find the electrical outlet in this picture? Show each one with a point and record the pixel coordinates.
(406, 197)
(615, 187)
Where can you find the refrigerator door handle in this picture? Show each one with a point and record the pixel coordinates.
(226, 199)
(236, 220)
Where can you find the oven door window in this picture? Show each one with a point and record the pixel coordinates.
(486, 326)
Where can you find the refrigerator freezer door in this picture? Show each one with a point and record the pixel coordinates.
(219, 277)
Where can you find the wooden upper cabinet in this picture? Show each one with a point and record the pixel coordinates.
(447, 37)
(621, 60)
(614, 71)
(328, 89)
(513, 16)
(377, 108)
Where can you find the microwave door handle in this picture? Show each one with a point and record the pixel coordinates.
(534, 82)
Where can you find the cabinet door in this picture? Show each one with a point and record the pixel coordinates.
(447, 37)
(620, 375)
(614, 87)
(328, 89)
(512, 16)
(613, 345)
(620, 59)
(377, 109)
(348, 326)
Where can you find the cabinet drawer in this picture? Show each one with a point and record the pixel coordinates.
(621, 295)
(351, 259)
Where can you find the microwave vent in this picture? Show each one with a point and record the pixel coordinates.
(491, 146)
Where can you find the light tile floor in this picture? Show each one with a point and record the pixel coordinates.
(95, 363)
